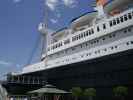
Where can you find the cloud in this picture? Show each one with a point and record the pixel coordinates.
(52, 4)
(17, 1)
(70, 3)
(5, 63)
(8, 64)
(54, 21)
(6, 67)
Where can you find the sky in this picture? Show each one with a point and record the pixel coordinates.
(19, 21)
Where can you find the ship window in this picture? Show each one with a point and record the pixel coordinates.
(98, 29)
(118, 21)
(67, 41)
(73, 48)
(111, 24)
(121, 19)
(114, 22)
(82, 35)
(131, 42)
(129, 30)
(104, 26)
(127, 43)
(98, 51)
(81, 46)
(129, 16)
(95, 41)
(48, 49)
(87, 33)
(110, 36)
(91, 42)
(79, 36)
(125, 31)
(73, 38)
(113, 35)
(89, 53)
(112, 48)
(86, 44)
(103, 38)
(125, 17)
(105, 49)
(115, 46)
(92, 31)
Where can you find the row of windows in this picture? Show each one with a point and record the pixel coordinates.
(87, 33)
(121, 19)
(97, 52)
(60, 54)
(56, 46)
(93, 42)
(59, 44)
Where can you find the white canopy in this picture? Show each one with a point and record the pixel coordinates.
(83, 20)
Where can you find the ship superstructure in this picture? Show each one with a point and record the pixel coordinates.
(91, 36)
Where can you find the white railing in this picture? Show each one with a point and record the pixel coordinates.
(96, 34)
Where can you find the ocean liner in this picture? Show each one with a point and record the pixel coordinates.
(95, 51)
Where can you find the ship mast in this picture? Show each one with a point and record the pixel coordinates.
(43, 29)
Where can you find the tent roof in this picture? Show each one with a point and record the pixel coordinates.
(49, 89)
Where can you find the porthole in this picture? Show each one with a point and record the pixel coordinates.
(115, 46)
(127, 43)
(110, 36)
(114, 35)
(112, 48)
(129, 30)
(125, 31)
(105, 49)
(103, 38)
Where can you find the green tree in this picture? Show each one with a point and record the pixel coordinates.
(120, 91)
(76, 92)
(90, 92)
